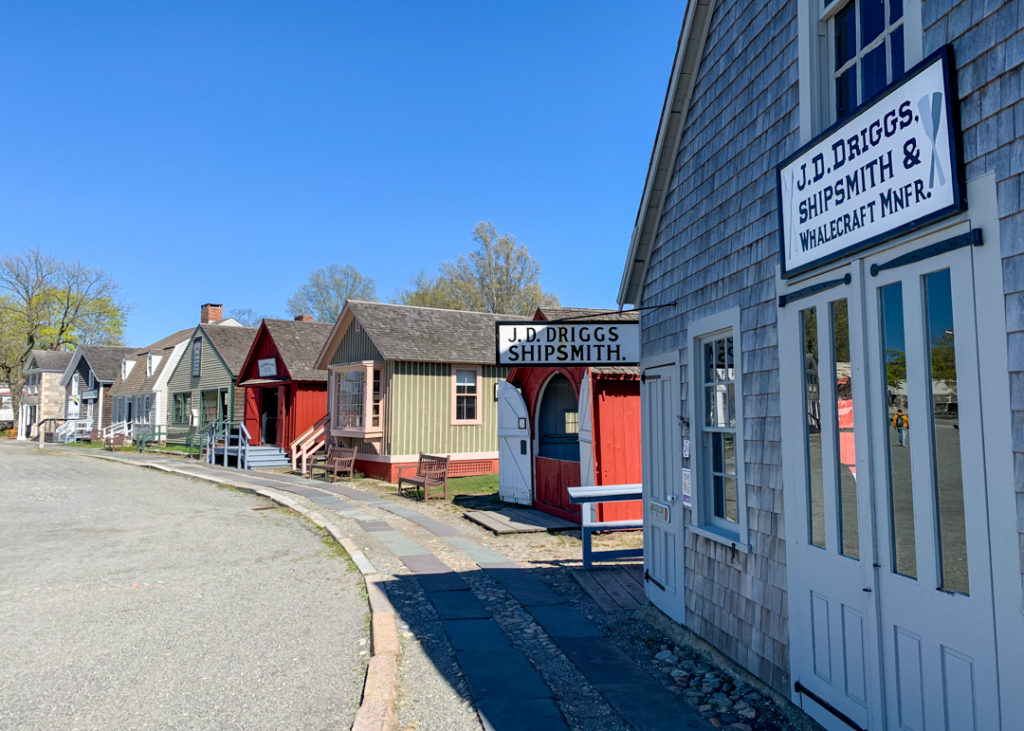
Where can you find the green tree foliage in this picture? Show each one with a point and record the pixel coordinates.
(499, 276)
(328, 288)
(49, 304)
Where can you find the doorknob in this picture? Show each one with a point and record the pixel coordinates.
(671, 498)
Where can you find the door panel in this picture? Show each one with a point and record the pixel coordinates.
(514, 452)
(829, 550)
(896, 599)
(938, 592)
(662, 489)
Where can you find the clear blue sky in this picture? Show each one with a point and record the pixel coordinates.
(221, 151)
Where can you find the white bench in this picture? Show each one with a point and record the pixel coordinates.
(589, 496)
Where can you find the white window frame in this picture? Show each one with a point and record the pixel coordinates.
(816, 54)
(456, 421)
(367, 430)
(702, 518)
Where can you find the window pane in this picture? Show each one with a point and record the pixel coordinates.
(731, 513)
(709, 363)
(729, 452)
(709, 406)
(872, 20)
(846, 35)
(949, 488)
(896, 52)
(812, 436)
(901, 495)
(351, 398)
(730, 397)
(846, 93)
(895, 10)
(873, 75)
(730, 364)
(847, 467)
(717, 453)
(719, 496)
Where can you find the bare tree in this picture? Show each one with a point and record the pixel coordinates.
(328, 288)
(246, 316)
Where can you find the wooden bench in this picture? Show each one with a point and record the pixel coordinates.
(114, 441)
(589, 496)
(337, 460)
(95, 435)
(431, 471)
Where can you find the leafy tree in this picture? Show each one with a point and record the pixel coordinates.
(49, 304)
(328, 288)
(499, 276)
(427, 291)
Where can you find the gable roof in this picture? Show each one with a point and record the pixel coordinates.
(666, 147)
(232, 343)
(137, 380)
(585, 313)
(104, 360)
(298, 343)
(48, 360)
(421, 334)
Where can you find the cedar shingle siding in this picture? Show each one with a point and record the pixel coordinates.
(717, 248)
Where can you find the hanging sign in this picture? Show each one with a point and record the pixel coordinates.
(889, 169)
(575, 343)
(268, 367)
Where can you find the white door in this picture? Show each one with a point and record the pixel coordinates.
(931, 503)
(662, 487)
(586, 436)
(829, 552)
(514, 452)
(888, 551)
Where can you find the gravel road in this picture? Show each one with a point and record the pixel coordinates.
(135, 599)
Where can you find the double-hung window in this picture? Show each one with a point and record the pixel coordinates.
(719, 492)
(850, 50)
(866, 44)
(356, 394)
(182, 408)
(466, 395)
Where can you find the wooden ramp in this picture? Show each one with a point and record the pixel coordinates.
(613, 588)
(518, 520)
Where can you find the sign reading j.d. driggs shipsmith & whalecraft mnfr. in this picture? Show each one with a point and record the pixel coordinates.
(569, 343)
(890, 168)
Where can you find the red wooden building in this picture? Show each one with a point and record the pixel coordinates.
(284, 394)
(561, 427)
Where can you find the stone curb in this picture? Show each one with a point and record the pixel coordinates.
(377, 709)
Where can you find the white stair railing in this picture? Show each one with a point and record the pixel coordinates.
(308, 443)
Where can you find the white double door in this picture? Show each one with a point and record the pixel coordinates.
(888, 551)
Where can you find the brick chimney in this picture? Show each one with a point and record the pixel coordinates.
(303, 318)
(211, 313)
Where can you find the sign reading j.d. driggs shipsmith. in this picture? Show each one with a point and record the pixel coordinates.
(888, 169)
(569, 343)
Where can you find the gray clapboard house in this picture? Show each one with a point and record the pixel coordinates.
(87, 381)
(203, 387)
(830, 231)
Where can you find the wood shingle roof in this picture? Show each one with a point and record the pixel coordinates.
(299, 344)
(428, 334)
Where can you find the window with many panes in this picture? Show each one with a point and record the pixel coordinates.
(182, 412)
(717, 429)
(866, 44)
(466, 395)
(357, 394)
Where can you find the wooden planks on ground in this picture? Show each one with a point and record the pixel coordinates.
(613, 587)
(518, 520)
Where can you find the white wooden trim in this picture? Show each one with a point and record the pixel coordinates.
(727, 321)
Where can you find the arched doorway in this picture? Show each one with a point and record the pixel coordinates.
(557, 465)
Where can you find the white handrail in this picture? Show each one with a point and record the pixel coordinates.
(309, 442)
